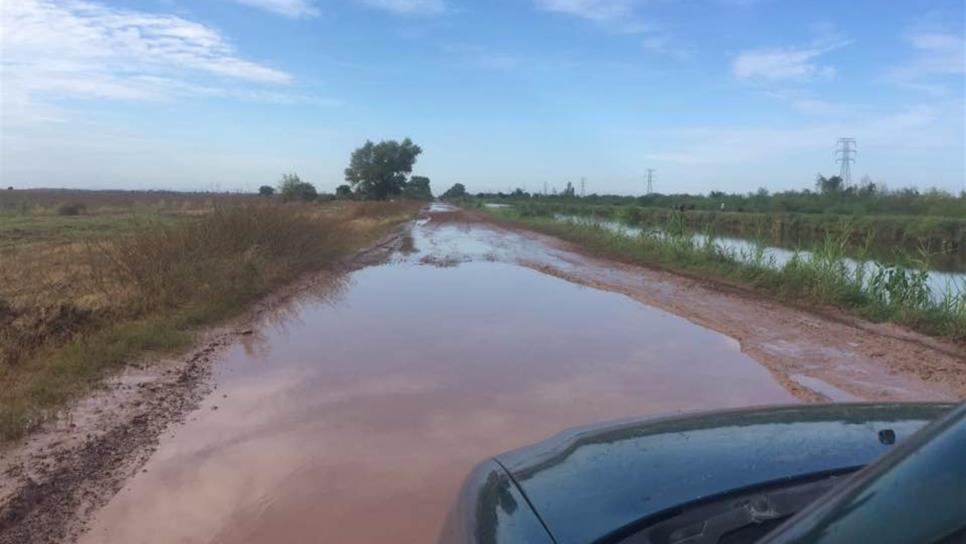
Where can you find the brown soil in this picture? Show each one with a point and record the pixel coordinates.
(53, 479)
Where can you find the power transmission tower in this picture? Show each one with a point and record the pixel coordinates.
(650, 181)
(844, 150)
(545, 188)
(582, 186)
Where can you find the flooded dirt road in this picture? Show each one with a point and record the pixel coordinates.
(353, 416)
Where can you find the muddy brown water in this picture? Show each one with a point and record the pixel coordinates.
(354, 417)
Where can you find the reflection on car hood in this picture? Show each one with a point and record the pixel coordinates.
(585, 483)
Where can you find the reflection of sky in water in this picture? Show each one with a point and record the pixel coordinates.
(939, 282)
(355, 417)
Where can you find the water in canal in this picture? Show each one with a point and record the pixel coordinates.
(940, 282)
(354, 416)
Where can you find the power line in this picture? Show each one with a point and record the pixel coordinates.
(844, 149)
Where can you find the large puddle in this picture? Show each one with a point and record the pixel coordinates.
(354, 418)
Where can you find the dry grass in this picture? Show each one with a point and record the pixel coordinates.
(74, 307)
(48, 200)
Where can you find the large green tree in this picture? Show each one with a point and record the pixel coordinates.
(458, 190)
(378, 171)
(343, 192)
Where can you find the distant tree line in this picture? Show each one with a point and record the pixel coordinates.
(830, 195)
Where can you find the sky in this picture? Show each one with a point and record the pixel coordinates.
(727, 95)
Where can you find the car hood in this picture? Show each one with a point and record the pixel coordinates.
(585, 483)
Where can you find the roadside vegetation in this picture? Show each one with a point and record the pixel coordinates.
(821, 277)
(933, 221)
(91, 281)
(941, 239)
(829, 196)
(75, 307)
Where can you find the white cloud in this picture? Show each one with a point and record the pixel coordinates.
(81, 49)
(620, 16)
(926, 125)
(288, 8)
(409, 7)
(938, 54)
(916, 145)
(789, 63)
(663, 43)
(616, 15)
(601, 11)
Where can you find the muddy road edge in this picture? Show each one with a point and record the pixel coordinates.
(56, 478)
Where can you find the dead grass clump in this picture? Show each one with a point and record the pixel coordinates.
(229, 254)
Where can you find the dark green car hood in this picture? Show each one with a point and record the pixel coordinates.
(584, 484)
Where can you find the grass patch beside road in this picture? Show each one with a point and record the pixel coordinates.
(821, 278)
(78, 303)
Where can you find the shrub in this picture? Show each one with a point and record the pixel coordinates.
(71, 208)
(293, 188)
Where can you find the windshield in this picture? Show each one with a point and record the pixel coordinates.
(294, 270)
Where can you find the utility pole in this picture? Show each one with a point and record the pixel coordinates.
(583, 182)
(650, 181)
(844, 150)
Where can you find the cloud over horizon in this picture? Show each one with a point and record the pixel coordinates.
(288, 8)
(80, 49)
(797, 63)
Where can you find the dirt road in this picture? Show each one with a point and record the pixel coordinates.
(351, 413)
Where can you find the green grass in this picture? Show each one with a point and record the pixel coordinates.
(821, 278)
(76, 309)
(942, 238)
(79, 365)
(26, 229)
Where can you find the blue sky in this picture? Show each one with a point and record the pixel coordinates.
(714, 94)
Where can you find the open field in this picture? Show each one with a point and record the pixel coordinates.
(61, 215)
(822, 277)
(132, 273)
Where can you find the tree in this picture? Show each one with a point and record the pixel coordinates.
(293, 188)
(378, 171)
(867, 187)
(343, 192)
(266, 190)
(568, 191)
(458, 190)
(418, 189)
(829, 185)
